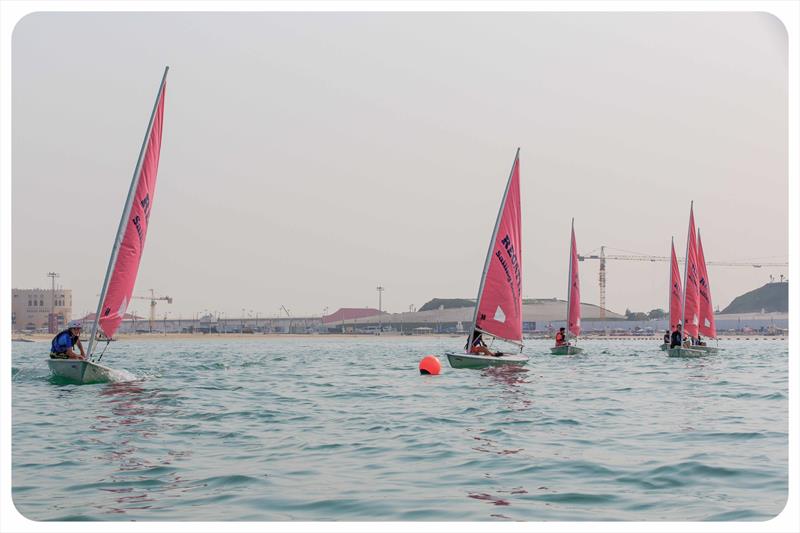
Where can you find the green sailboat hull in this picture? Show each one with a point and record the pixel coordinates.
(566, 350)
(463, 360)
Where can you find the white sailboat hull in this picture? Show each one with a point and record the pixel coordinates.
(80, 371)
(470, 360)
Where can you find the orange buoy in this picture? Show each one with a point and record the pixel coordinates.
(430, 365)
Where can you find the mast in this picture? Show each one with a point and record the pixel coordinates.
(669, 288)
(569, 281)
(125, 214)
(686, 271)
(489, 252)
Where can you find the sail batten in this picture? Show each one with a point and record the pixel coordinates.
(129, 242)
(498, 309)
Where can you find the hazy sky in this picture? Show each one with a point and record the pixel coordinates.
(308, 157)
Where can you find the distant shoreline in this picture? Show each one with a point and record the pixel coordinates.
(41, 337)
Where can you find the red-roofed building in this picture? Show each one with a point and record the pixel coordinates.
(349, 313)
(88, 319)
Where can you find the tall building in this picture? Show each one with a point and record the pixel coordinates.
(31, 308)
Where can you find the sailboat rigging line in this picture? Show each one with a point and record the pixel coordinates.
(108, 341)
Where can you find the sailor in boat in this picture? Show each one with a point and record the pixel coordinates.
(697, 341)
(63, 345)
(479, 347)
(700, 340)
(561, 338)
(666, 337)
(676, 340)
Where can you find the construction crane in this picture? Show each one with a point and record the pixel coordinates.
(283, 307)
(602, 257)
(153, 299)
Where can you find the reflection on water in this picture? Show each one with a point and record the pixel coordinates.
(487, 497)
(134, 418)
(513, 380)
(511, 375)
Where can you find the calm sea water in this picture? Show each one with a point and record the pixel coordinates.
(346, 429)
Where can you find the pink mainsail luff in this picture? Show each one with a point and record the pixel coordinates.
(126, 267)
(707, 326)
(499, 311)
(675, 292)
(691, 303)
(574, 318)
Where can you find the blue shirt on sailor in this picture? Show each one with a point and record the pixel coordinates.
(63, 341)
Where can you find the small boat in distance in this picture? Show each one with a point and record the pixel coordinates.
(691, 294)
(498, 309)
(126, 253)
(573, 303)
(675, 293)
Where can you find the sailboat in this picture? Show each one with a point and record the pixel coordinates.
(691, 294)
(498, 309)
(675, 293)
(126, 253)
(573, 303)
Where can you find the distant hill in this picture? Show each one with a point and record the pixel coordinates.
(772, 297)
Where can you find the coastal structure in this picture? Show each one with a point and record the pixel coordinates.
(30, 309)
(537, 315)
(40, 309)
(349, 313)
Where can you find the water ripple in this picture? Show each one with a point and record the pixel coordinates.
(280, 429)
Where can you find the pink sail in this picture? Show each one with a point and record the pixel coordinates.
(499, 307)
(675, 292)
(706, 326)
(574, 304)
(126, 266)
(691, 298)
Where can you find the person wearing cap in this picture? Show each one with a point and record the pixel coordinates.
(63, 346)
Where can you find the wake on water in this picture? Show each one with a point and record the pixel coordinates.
(119, 375)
